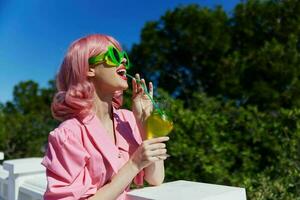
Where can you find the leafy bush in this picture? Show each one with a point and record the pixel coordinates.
(222, 143)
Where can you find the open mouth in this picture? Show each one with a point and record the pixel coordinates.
(122, 73)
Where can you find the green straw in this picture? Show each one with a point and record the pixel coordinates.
(147, 93)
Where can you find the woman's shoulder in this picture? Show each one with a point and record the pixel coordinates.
(72, 124)
(68, 129)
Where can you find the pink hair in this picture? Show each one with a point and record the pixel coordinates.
(75, 92)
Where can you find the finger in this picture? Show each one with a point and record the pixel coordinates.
(155, 153)
(141, 85)
(156, 140)
(151, 89)
(158, 158)
(134, 86)
(143, 82)
(155, 159)
(156, 146)
(137, 76)
(138, 81)
(163, 157)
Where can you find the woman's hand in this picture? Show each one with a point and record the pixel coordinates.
(150, 151)
(141, 104)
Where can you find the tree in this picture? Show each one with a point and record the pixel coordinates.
(251, 56)
(183, 48)
(265, 42)
(27, 120)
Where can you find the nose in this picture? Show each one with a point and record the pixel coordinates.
(124, 61)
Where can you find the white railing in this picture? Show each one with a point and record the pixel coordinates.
(25, 179)
(3, 180)
(17, 179)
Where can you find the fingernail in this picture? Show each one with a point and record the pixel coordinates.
(164, 156)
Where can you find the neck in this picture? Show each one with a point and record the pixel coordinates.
(103, 106)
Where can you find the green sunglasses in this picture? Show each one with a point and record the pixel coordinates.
(112, 57)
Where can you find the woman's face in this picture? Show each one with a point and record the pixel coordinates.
(108, 79)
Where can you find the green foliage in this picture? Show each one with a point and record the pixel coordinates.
(265, 39)
(240, 146)
(251, 56)
(26, 121)
(183, 48)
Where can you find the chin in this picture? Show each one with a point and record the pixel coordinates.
(125, 87)
(122, 87)
(120, 84)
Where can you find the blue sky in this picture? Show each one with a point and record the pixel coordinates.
(34, 34)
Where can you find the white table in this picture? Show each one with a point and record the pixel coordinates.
(188, 190)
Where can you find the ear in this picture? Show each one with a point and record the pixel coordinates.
(91, 72)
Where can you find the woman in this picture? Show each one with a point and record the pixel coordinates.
(98, 149)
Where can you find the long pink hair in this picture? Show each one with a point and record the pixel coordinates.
(75, 92)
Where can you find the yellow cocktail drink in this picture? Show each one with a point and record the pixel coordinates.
(158, 125)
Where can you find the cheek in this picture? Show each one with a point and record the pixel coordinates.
(105, 76)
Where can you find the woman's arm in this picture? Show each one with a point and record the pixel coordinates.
(155, 173)
(142, 108)
(149, 152)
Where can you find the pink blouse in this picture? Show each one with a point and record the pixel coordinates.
(81, 157)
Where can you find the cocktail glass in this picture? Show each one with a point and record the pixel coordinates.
(158, 124)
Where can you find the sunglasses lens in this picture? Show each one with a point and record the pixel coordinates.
(111, 63)
(116, 55)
